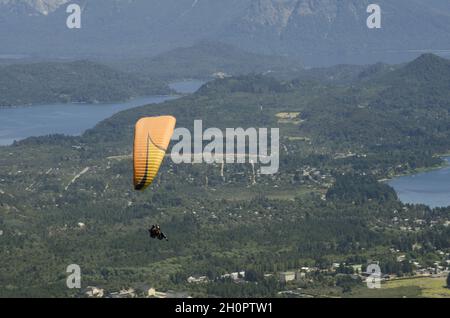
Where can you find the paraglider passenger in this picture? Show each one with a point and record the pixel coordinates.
(155, 232)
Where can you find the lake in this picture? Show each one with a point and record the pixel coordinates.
(186, 87)
(18, 123)
(431, 188)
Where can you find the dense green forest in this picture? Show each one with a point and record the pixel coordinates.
(69, 82)
(205, 59)
(325, 205)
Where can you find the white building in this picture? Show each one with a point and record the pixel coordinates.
(197, 280)
(300, 275)
(94, 292)
(287, 277)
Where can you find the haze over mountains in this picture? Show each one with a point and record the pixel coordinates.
(208, 59)
(320, 32)
(32, 6)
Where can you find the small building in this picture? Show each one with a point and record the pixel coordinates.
(237, 275)
(81, 225)
(357, 268)
(300, 275)
(94, 292)
(287, 277)
(127, 293)
(307, 269)
(220, 75)
(153, 293)
(197, 280)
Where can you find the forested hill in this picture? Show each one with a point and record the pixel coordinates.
(394, 109)
(427, 67)
(206, 58)
(79, 81)
(427, 76)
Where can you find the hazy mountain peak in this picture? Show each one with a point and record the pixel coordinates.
(430, 58)
(330, 8)
(40, 6)
(425, 72)
(271, 12)
(427, 63)
(280, 12)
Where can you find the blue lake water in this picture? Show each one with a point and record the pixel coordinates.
(70, 119)
(430, 188)
(187, 87)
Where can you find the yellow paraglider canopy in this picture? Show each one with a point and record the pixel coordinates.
(151, 139)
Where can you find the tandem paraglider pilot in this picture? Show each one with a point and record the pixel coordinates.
(151, 138)
(155, 232)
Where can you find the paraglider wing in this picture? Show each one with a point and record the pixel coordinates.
(151, 139)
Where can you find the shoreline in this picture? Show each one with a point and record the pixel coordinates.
(99, 103)
(444, 164)
(135, 102)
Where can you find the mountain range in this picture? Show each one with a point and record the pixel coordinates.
(320, 32)
(37, 7)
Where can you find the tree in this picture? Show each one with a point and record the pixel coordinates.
(254, 276)
(346, 282)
